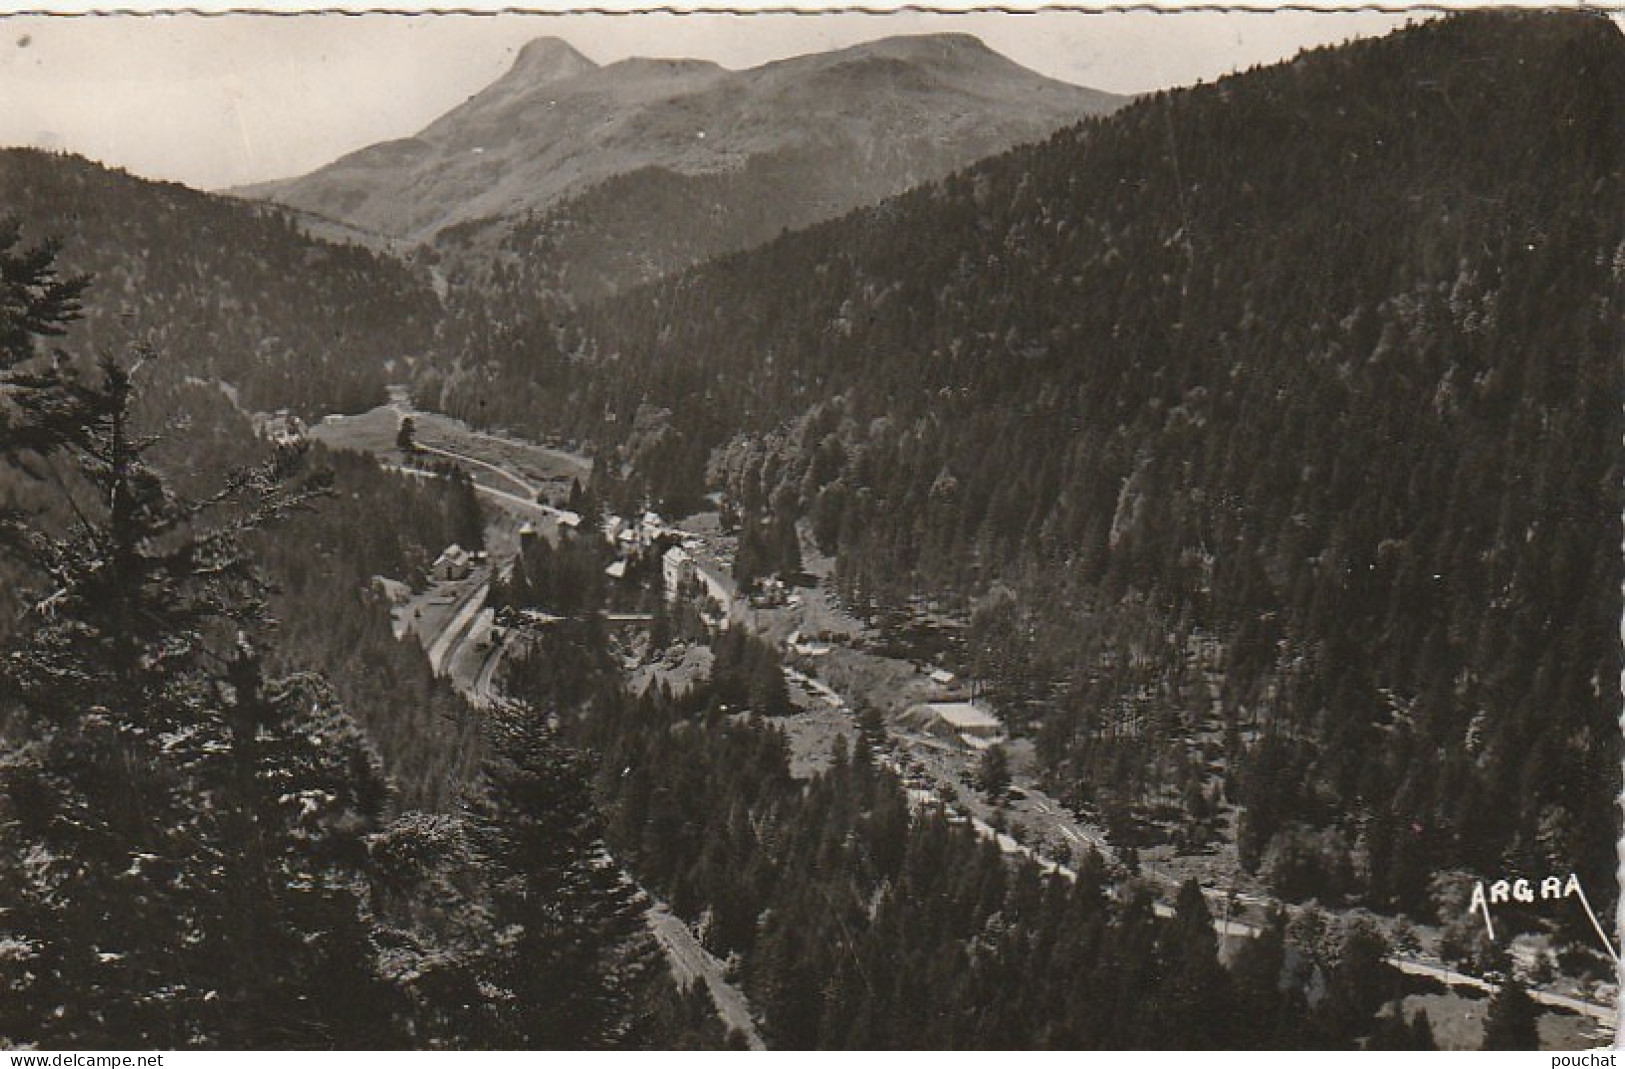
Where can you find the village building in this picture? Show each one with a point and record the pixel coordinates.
(798, 645)
(391, 590)
(283, 428)
(964, 722)
(453, 563)
(679, 569)
(676, 570)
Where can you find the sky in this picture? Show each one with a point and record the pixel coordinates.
(222, 101)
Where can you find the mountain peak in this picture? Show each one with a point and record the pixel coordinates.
(926, 47)
(653, 67)
(549, 59)
(929, 43)
(842, 128)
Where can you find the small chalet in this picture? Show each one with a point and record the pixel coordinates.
(283, 428)
(964, 722)
(676, 568)
(453, 563)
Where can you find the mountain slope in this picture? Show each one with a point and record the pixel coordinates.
(221, 289)
(556, 124)
(1321, 361)
(782, 145)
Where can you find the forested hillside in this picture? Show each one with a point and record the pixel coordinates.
(228, 291)
(218, 832)
(1320, 361)
(857, 919)
(222, 293)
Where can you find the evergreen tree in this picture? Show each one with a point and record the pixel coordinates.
(993, 773)
(570, 955)
(296, 792)
(36, 300)
(1422, 1032)
(1390, 1031)
(1198, 1001)
(179, 846)
(871, 726)
(466, 517)
(1512, 1022)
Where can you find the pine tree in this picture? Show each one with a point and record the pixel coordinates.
(1198, 997)
(466, 518)
(36, 301)
(571, 953)
(993, 774)
(175, 842)
(1512, 1022)
(1422, 1032)
(1390, 1031)
(297, 791)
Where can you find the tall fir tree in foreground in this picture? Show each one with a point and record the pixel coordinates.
(572, 957)
(180, 839)
(195, 852)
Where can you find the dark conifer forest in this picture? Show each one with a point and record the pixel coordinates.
(227, 291)
(1259, 445)
(1321, 360)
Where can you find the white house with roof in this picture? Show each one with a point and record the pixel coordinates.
(454, 562)
(676, 569)
(964, 722)
(283, 428)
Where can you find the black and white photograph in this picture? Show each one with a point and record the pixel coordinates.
(1017, 529)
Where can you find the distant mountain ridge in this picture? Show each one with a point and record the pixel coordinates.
(778, 146)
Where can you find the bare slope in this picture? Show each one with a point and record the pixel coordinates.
(882, 116)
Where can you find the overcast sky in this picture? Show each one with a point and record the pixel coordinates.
(215, 102)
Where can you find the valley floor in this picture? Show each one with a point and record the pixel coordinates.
(826, 679)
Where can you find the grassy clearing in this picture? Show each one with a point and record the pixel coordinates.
(1458, 1023)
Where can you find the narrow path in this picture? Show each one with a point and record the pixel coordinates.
(530, 490)
(690, 961)
(530, 507)
(427, 420)
(484, 691)
(444, 643)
